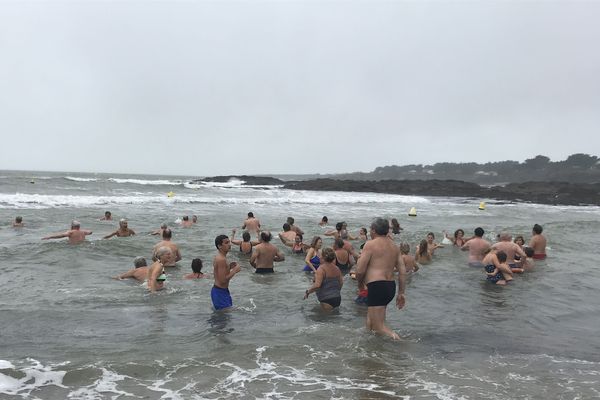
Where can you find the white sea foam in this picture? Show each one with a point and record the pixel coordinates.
(146, 182)
(36, 376)
(78, 179)
(107, 383)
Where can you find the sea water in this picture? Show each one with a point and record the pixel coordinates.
(67, 330)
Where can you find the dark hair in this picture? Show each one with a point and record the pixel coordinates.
(246, 236)
(363, 229)
(286, 227)
(519, 237)
(197, 265)
(457, 231)
(299, 236)
(501, 256)
(339, 243)
(395, 226)
(186, 218)
(339, 226)
(107, 213)
(219, 240)
(19, 219)
(479, 232)
(266, 236)
(528, 251)
(314, 241)
(290, 220)
(250, 215)
(432, 235)
(328, 254)
(537, 229)
(381, 226)
(325, 219)
(166, 234)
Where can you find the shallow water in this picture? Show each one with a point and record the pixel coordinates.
(69, 331)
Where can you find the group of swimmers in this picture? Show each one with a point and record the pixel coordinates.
(376, 266)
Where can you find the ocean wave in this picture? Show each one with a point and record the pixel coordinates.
(266, 197)
(77, 179)
(162, 182)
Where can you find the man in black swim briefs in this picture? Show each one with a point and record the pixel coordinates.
(375, 267)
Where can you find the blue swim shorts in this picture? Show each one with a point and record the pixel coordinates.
(220, 298)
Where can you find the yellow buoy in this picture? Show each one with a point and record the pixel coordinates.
(170, 194)
(482, 205)
(412, 212)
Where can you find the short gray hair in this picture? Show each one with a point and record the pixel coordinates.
(162, 251)
(140, 262)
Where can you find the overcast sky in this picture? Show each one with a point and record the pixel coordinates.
(223, 87)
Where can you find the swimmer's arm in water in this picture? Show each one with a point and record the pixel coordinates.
(285, 241)
(317, 284)
(400, 299)
(86, 232)
(362, 265)
(57, 236)
(177, 255)
(254, 256)
(128, 274)
(330, 233)
(111, 235)
(279, 256)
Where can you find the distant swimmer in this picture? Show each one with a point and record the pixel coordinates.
(75, 234)
(196, 270)
(458, 239)
(185, 222)
(265, 254)
(409, 261)
(422, 254)
(288, 235)
(477, 246)
(395, 226)
(245, 244)
(223, 272)
(336, 233)
(251, 224)
(18, 223)
(194, 219)
(107, 216)
(290, 220)
(313, 255)
(160, 231)
(328, 282)
(375, 268)
(156, 273)
(324, 221)
(538, 243)
(123, 230)
(362, 236)
(139, 272)
(166, 242)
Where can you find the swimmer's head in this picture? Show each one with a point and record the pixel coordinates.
(290, 220)
(197, 265)
(123, 223)
(537, 229)
(501, 256)
(479, 232)
(404, 248)
(163, 251)
(194, 218)
(107, 214)
(380, 226)
(328, 254)
(458, 232)
(219, 240)
(528, 251)
(186, 218)
(250, 215)
(140, 262)
(364, 231)
(167, 233)
(19, 219)
(316, 241)
(75, 224)
(246, 236)
(338, 243)
(286, 227)
(520, 240)
(163, 225)
(298, 239)
(339, 226)
(325, 219)
(430, 236)
(423, 247)
(265, 236)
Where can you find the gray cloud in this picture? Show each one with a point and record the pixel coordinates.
(207, 88)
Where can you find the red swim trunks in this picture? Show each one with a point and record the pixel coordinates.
(540, 256)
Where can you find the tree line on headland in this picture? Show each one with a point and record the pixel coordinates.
(574, 181)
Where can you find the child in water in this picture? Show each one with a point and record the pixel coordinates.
(409, 261)
(196, 270)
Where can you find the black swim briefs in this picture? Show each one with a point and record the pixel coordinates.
(380, 293)
(264, 270)
(334, 302)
